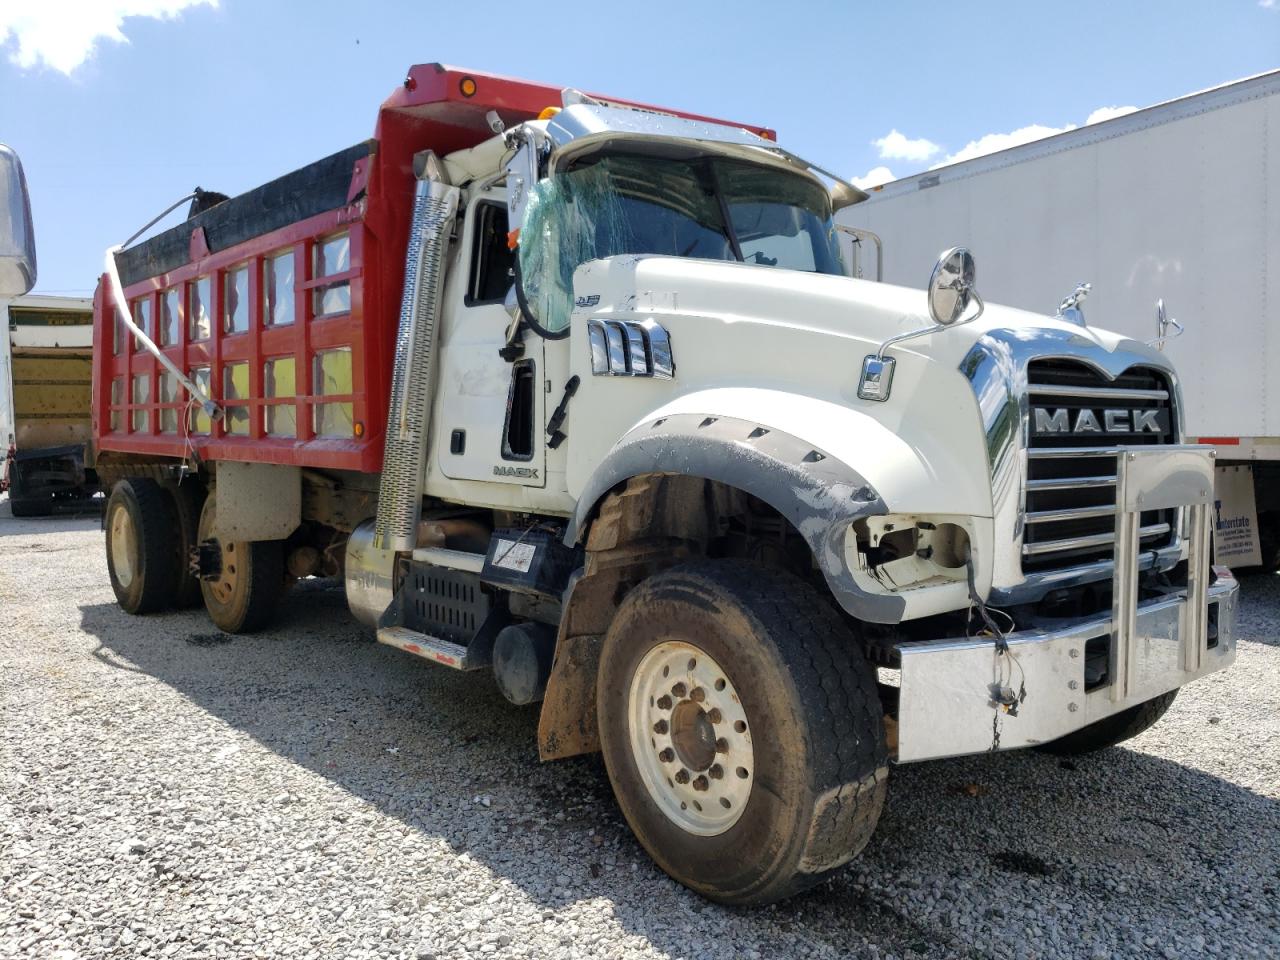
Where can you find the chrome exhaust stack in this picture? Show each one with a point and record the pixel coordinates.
(371, 552)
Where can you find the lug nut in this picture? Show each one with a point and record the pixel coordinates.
(697, 694)
(660, 727)
(701, 783)
(682, 776)
(714, 715)
(667, 755)
(716, 772)
(664, 702)
(679, 690)
(722, 745)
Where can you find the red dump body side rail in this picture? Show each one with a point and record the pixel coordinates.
(293, 329)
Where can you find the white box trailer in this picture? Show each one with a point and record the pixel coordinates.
(1180, 202)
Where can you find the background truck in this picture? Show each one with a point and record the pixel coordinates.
(1177, 202)
(45, 373)
(582, 394)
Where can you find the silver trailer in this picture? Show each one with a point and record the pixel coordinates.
(1177, 202)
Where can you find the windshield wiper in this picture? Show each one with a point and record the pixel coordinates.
(729, 233)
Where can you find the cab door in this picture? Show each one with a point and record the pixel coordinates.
(490, 410)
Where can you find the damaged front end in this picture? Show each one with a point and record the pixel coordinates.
(1048, 677)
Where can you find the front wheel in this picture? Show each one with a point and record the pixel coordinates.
(741, 730)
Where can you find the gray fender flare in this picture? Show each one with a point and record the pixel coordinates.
(817, 493)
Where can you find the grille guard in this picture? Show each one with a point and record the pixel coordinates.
(951, 696)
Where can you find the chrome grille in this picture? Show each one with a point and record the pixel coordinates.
(1071, 474)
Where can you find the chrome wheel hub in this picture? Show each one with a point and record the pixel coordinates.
(690, 738)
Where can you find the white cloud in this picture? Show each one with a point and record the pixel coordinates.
(62, 34)
(1269, 4)
(896, 146)
(1108, 113)
(873, 178)
(994, 142)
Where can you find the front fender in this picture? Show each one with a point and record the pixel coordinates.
(817, 493)
(819, 464)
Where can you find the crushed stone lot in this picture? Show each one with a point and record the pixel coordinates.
(169, 791)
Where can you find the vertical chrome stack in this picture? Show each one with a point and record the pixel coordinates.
(400, 491)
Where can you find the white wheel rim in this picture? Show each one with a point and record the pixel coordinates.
(123, 546)
(690, 738)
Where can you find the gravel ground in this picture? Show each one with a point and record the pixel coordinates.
(169, 791)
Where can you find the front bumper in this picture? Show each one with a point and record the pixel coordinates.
(964, 696)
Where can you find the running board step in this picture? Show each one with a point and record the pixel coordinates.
(445, 652)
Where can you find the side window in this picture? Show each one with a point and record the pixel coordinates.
(517, 436)
(491, 258)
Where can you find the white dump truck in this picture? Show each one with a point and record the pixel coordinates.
(583, 394)
(1173, 205)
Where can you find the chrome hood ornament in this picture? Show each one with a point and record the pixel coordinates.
(1070, 309)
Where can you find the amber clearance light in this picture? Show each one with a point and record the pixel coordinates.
(467, 85)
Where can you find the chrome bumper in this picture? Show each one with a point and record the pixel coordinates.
(964, 696)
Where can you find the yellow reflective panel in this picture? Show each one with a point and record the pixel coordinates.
(117, 397)
(170, 316)
(235, 301)
(198, 421)
(279, 380)
(199, 325)
(235, 386)
(141, 394)
(168, 394)
(277, 290)
(332, 377)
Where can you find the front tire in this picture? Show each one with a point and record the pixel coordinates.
(741, 730)
(1116, 728)
(142, 545)
(243, 595)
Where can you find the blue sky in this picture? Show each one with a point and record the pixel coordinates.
(118, 107)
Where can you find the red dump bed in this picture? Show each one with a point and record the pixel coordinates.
(284, 301)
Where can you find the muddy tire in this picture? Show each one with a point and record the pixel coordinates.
(1114, 729)
(243, 596)
(188, 500)
(741, 730)
(142, 545)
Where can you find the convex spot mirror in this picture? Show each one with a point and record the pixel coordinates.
(17, 238)
(951, 288)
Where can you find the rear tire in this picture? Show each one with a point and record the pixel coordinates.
(20, 504)
(1114, 729)
(142, 545)
(728, 681)
(188, 499)
(244, 596)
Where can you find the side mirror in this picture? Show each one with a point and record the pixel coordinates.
(17, 238)
(951, 288)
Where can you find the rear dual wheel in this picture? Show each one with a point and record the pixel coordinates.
(741, 729)
(244, 579)
(143, 551)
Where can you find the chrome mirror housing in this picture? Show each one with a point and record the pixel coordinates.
(1167, 328)
(17, 237)
(951, 288)
(951, 294)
